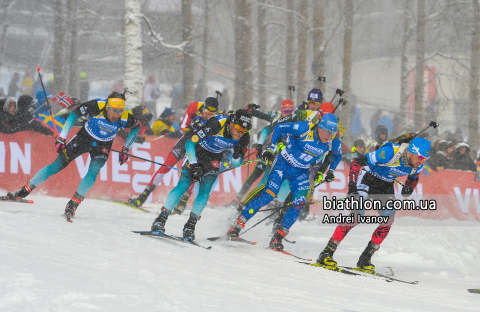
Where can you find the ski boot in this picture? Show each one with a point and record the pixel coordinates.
(138, 201)
(235, 229)
(182, 203)
(158, 224)
(364, 263)
(22, 192)
(325, 259)
(72, 206)
(234, 204)
(189, 227)
(276, 242)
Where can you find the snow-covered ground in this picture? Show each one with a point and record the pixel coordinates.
(97, 264)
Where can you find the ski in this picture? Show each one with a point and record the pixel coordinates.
(337, 269)
(20, 200)
(372, 273)
(474, 291)
(231, 238)
(289, 254)
(172, 237)
(121, 202)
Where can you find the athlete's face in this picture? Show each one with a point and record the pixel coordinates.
(313, 105)
(206, 114)
(236, 135)
(415, 160)
(112, 114)
(324, 136)
(11, 109)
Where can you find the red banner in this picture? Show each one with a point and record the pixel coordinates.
(456, 194)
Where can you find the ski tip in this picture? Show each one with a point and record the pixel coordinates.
(474, 291)
(29, 201)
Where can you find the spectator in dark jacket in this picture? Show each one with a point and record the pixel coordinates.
(462, 159)
(441, 160)
(16, 118)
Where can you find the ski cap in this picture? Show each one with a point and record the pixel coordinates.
(420, 147)
(326, 107)
(315, 95)
(211, 104)
(243, 118)
(329, 122)
(287, 105)
(167, 112)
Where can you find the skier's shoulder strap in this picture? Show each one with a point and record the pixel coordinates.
(397, 153)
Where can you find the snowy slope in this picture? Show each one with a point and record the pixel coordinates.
(97, 264)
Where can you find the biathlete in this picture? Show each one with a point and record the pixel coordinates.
(105, 119)
(195, 117)
(375, 180)
(306, 143)
(204, 154)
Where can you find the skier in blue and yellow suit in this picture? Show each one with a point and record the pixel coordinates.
(204, 154)
(105, 119)
(306, 143)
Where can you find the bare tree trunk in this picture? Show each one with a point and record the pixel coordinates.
(202, 83)
(243, 54)
(302, 50)
(59, 51)
(73, 80)
(5, 7)
(419, 64)
(188, 61)
(347, 68)
(474, 79)
(262, 53)
(289, 56)
(319, 40)
(401, 118)
(133, 52)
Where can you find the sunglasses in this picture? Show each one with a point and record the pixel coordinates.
(212, 109)
(117, 111)
(314, 103)
(423, 157)
(240, 129)
(328, 132)
(287, 111)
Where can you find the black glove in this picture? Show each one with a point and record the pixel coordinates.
(259, 148)
(123, 156)
(197, 171)
(352, 188)
(268, 155)
(330, 177)
(252, 106)
(407, 191)
(60, 145)
(196, 124)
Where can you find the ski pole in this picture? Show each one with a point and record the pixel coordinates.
(245, 163)
(257, 223)
(46, 98)
(291, 88)
(338, 91)
(341, 101)
(154, 162)
(431, 124)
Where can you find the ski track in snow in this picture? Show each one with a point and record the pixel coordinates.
(97, 264)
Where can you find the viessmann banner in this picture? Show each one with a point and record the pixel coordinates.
(455, 193)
